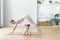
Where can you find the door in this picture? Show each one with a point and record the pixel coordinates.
(0, 12)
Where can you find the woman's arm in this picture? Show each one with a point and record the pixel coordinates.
(14, 29)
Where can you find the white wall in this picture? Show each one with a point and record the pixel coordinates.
(15, 9)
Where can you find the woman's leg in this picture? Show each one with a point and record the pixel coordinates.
(30, 20)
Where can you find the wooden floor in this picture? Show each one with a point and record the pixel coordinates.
(47, 33)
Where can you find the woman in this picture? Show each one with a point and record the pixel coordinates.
(21, 20)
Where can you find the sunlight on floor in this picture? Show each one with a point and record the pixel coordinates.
(48, 33)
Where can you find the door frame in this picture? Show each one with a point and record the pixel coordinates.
(1, 13)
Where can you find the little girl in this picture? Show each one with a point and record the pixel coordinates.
(27, 29)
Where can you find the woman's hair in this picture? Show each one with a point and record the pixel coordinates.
(12, 21)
